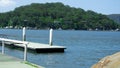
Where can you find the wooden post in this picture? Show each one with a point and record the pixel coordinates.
(50, 37)
(25, 52)
(3, 47)
(24, 34)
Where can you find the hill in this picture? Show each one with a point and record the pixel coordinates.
(55, 15)
(115, 17)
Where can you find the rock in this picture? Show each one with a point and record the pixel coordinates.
(112, 61)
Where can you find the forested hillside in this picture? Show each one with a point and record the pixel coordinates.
(115, 17)
(55, 15)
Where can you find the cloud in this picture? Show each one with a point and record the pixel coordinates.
(7, 3)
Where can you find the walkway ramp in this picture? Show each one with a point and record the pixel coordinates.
(12, 62)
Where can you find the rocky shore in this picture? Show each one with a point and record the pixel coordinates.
(112, 61)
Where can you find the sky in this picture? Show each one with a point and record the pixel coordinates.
(100, 6)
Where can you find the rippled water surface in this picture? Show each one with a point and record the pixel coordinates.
(84, 48)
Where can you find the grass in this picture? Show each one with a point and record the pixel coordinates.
(31, 64)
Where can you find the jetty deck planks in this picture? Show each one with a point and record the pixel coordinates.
(39, 47)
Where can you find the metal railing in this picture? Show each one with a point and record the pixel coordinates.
(3, 40)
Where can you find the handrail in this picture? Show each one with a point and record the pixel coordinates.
(15, 41)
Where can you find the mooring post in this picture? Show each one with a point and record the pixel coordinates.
(3, 47)
(50, 37)
(25, 52)
(24, 34)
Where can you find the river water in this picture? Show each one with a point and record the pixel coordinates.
(84, 48)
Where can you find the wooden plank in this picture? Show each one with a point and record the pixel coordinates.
(33, 45)
(39, 47)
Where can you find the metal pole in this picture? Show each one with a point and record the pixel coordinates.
(24, 34)
(3, 47)
(25, 52)
(50, 37)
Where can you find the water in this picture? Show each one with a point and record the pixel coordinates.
(84, 48)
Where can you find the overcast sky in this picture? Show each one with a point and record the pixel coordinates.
(99, 6)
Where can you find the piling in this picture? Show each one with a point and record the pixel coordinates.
(50, 37)
(24, 34)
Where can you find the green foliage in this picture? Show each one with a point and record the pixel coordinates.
(55, 15)
(31, 64)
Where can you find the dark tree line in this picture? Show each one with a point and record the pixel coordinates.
(55, 15)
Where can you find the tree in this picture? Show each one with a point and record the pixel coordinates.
(56, 15)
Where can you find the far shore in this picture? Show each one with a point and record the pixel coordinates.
(62, 29)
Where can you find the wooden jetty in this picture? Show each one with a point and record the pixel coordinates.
(38, 47)
(41, 48)
(32, 46)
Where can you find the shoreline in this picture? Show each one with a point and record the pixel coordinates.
(61, 29)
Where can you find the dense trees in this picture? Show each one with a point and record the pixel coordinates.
(55, 15)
